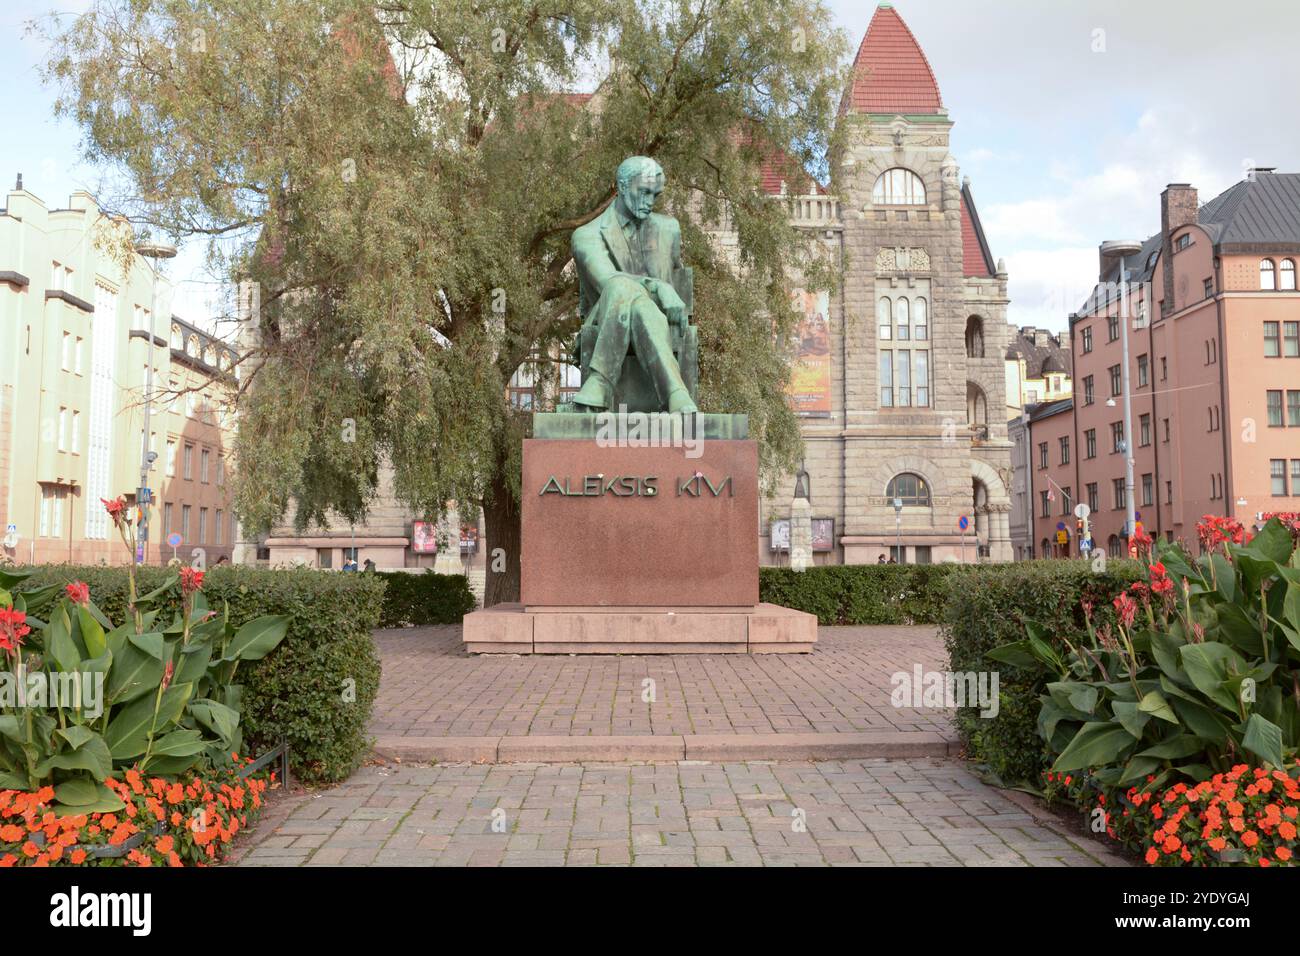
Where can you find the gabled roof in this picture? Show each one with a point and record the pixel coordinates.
(1263, 209)
(1051, 356)
(976, 259)
(890, 72)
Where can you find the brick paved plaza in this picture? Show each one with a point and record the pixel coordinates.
(883, 812)
(919, 808)
(438, 702)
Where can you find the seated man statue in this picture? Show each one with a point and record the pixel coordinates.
(625, 259)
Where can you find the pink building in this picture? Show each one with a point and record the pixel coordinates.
(1214, 366)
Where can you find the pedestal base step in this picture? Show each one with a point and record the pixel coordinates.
(762, 629)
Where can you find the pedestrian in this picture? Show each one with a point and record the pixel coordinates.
(369, 566)
(881, 560)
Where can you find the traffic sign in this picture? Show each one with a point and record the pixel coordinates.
(1060, 526)
(174, 539)
(1062, 537)
(1081, 510)
(963, 522)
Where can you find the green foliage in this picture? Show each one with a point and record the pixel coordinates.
(410, 238)
(317, 688)
(861, 594)
(989, 606)
(1194, 682)
(86, 699)
(428, 598)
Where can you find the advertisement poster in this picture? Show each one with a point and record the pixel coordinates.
(468, 539)
(780, 534)
(823, 534)
(810, 375)
(424, 537)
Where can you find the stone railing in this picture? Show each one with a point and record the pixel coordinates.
(815, 211)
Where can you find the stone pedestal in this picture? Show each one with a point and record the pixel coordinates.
(638, 548)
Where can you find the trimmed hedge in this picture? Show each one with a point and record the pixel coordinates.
(862, 593)
(428, 598)
(317, 688)
(987, 607)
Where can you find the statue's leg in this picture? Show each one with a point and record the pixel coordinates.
(654, 349)
(613, 333)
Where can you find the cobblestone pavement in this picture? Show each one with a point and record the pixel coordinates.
(432, 688)
(916, 812)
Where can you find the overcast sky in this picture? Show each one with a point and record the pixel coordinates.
(1071, 116)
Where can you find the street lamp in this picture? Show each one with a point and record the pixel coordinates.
(898, 528)
(153, 251)
(1123, 248)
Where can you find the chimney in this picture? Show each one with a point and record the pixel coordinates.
(1040, 337)
(1177, 208)
(19, 186)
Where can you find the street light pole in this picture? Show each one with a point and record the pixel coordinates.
(1123, 249)
(898, 528)
(153, 251)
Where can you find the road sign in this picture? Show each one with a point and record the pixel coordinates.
(174, 540)
(1062, 537)
(1060, 526)
(963, 522)
(1085, 545)
(1081, 510)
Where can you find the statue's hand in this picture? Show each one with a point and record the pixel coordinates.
(671, 303)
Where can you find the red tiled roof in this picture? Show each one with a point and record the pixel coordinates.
(779, 167)
(972, 256)
(890, 72)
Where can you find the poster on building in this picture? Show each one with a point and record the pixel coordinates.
(780, 534)
(468, 539)
(823, 534)
(424, 537)
(810, 373)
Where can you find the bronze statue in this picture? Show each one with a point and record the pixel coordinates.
(634, 294)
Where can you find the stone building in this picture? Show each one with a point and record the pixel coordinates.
(918, 333)
(76, 346)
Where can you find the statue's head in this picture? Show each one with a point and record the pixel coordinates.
(640, 181)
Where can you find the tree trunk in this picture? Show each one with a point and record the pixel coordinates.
(501, 518)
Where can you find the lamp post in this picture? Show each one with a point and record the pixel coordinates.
(1123, 248)
(898, 528)
(153, 251)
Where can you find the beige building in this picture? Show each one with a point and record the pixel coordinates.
(1038, 369)
(76, 347)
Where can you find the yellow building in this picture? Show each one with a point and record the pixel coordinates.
(74, 349)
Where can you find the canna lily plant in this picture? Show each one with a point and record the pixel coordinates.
(83, 699)
(1199, 674)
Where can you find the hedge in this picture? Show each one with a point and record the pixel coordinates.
(428, 598)
(988, 606)
(317, 688)
(862, 594)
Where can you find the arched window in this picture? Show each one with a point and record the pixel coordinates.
(901, 316)
(977, 406)
(1288, 275)
(974, 337)
(920, 319)
(899, 187)
(1047, 549)
(1113, 546)
(884, 317)
(1267, 274)
(912, 489)
(176, 337)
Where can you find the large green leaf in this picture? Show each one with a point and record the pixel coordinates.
(1017, 654)
(179, 743)
(1264, 739)
(151, 643)
(1097, 744)
(129, 730)
(220, 719)
(1138, 768)
(133, 673)
(91, 755)
(101, 800)
(169, 583)
(1178, 746)
(1202, 721)
(1154, 703)
(59, 642)
(257, 638)
(1208, 666)
(1165, 648)
(92, 633)
(1130, 718)
(9, 578)
(1272, 543)
(193, 664)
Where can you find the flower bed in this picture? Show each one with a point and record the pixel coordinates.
(1179, 713)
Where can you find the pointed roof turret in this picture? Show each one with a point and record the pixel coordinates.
(890, 72)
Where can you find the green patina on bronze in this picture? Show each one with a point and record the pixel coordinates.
(641, 429)
(637, 346)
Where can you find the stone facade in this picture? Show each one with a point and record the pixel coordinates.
(930, 251)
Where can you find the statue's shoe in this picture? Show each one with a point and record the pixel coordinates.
(679, 402)
(594, 396)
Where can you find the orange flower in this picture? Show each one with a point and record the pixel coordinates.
(8, 860)
(1264, 862)
(1283, 853)
(1217, 844)
(1286, 830)
(164, 844)
(1250, 838)
(78, 856)
(1152, 855)
(1172, 844)
(11, 833)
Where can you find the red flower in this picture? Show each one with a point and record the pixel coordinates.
(191, 581)
(1127, 609)
(13, 628)
(167, 675)
(116, 508)
(79, 592)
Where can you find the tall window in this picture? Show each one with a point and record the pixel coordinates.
(886, 379)
(1288, 275)
(1274, 409)
(185, 522)
(1144, 430)
(1065, 449)
(1115, 380)
(1148, 490)
(912, 489)
(1042, 455)
(189, 461)
(1090, 443)
(1116, 436)
(1272, 340)
(1086, 336)
(974, 337)
(1087, 390)
(219, 526)
(1291, 339)
(902, 318)
(1112, 328)
(170, 463)
(204, 457)
(977, 406)
(904, 373)
(1121, 500)
(1277, 472)
(920, 319)
(1267, 277)
(1093, 497)
(898, 187)
(1144, 371)
(885, 317)
(1292, 412)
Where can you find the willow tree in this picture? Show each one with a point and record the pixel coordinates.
(399, 180)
